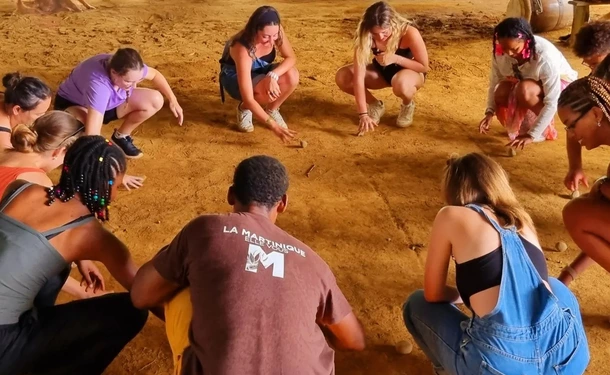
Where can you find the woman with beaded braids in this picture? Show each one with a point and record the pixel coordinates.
(37, 150)
(44, 229)
(584, 108)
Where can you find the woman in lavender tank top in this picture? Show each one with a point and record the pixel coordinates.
(103, 89)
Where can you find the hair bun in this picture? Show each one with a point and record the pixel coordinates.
(11, 80)
(24, 138)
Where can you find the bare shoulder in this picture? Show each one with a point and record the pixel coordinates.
(411, 33)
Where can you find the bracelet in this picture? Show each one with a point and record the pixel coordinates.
(363, 113)
(268, 120)
(571, 271)
(273, 75)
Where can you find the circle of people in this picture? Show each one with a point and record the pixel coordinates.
(522, 320)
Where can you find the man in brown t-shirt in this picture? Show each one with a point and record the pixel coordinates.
(253, 299)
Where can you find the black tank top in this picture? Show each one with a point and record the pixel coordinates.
(227, 59)
(485, 272)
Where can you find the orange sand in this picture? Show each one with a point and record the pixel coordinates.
(370, 200)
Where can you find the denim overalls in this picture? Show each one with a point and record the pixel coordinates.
(530, 331)
(228, 74)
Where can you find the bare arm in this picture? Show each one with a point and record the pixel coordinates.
(437, 264)
(150, 289)
(574, 153)
(347, 334)
(243, 63)
(358, 83)
(160, 82)
(103, 246)
(290, 59)
(415, 42)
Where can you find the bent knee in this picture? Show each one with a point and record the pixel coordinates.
(527, 92)
(403, 90)
(344, 77)
(292, 76)
(156, 101)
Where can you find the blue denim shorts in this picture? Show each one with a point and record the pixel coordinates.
(228, 78)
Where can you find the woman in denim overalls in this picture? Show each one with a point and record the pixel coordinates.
(524, 322)
(249, 74)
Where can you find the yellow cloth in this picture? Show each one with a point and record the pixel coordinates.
(178, 315)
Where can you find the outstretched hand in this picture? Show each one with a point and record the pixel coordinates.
(521, 141)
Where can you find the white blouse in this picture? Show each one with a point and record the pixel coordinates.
(549, 68)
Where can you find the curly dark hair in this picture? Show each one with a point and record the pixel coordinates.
(260, 180)
(593, 39)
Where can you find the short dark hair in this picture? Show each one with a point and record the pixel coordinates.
(126, 59)
(260, 180)
(593, 39)
(26, 92)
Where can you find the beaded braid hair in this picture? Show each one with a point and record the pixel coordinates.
(90, 167)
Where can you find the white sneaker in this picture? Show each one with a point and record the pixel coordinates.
(244, 120)
(275, 115)
(376, 110)
(405, 117)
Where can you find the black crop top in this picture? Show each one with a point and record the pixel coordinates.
(485, 272)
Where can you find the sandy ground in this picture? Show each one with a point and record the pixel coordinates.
(368, 205)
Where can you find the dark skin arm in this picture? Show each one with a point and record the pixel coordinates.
(347, 334)
(150, 290)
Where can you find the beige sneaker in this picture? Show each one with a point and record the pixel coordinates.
(405, 117)
(275, 115)
(376, 110)
(244, 120)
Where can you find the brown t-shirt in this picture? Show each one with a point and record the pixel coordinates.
(257, 293)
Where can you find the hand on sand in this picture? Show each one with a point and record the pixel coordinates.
(92, 277)
(133, 182)
(574, 178)
(485, 123)
(177, 111)
(521, 141)
(286, 135)
(366, 124)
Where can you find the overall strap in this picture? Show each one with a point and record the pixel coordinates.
(5, 202)
(73, 224)
(495, 224)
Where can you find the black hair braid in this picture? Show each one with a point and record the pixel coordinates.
(90, 167)
(600, 93)
(515, 28)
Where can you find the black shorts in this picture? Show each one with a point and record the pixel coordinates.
(388, 72)
(61, 104)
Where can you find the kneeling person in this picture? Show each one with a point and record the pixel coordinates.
(261, 301)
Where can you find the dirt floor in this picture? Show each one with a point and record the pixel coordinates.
(368, 205)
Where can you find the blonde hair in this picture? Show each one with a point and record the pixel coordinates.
(383, 15)
(50, 131)
(478, 179)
